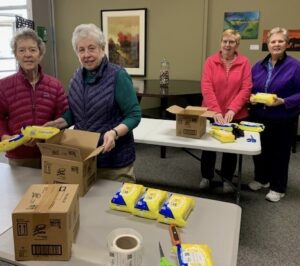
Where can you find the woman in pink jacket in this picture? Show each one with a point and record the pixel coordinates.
(226, 86)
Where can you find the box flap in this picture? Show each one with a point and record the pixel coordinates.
(80, 138)
(41, 198)
(196, 108)
(94, 153)
(60, 151)
(208, 114)
(175, 109)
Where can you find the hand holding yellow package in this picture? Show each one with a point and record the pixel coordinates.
(39, 132)
(265, 98)
(226, 126)
(13, 142)
(195, 254)
(150, 203)
(176, 210)
(126, 198)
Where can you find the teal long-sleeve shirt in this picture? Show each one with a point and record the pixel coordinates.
(125, 96)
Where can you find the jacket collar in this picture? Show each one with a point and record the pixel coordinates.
(265, 61)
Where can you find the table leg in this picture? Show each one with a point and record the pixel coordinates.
(163, 151)
(238, 192)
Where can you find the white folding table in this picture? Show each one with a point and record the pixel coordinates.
(163, 133)
(211, 222)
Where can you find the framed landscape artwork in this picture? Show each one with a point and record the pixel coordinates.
(125, 35)
(246, 23)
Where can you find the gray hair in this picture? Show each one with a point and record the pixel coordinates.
(87, 30)
(27, 33)
(275, 30)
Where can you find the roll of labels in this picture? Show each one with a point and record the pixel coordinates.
(125, 247)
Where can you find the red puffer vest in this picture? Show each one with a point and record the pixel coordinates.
(21, 105)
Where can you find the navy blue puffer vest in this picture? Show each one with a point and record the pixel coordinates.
(94, 109)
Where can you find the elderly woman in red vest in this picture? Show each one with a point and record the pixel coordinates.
(102, 99)
(29, 97)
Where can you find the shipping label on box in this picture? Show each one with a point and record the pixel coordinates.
(45, 222)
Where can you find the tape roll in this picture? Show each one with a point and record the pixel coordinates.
(125, 247)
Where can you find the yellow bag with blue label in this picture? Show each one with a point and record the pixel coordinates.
(176, 209)
(195, 254)
(13, 142)
(150, 203)
(39, 132)
(126, 198)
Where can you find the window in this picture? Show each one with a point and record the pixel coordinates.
(8, 10)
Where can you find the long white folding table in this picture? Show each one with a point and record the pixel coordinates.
(163, 133)
(214, 223)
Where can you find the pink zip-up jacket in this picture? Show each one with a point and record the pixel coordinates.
(224, 91)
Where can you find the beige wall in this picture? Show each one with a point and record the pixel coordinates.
(272, 13)
(176, 29)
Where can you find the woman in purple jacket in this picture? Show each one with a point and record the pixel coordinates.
(279, 74)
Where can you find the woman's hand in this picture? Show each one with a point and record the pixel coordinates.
(58, 123)
(229, 116)
(278, 101)
(109, 140)
(218, 117)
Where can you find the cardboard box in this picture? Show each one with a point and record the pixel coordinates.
(190, 121)
(70, 158)
(45, 222)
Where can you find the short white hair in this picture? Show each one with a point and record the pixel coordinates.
(87, 30)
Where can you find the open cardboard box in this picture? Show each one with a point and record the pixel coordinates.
(190, 121)
(45, 222)
(70, 158)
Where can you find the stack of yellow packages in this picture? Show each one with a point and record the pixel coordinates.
(153, 204)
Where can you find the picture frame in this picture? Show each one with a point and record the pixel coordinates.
(125, 32)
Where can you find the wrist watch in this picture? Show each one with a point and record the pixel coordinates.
(116, 132)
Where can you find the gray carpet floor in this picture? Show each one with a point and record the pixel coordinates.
(270, 232)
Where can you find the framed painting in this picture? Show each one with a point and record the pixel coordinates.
(246, 23)
(125, 35)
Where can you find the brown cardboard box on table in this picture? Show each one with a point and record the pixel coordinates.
(70, 158)
(190, 121)
(45, 222)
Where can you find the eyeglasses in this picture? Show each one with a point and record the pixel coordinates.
(230, 42)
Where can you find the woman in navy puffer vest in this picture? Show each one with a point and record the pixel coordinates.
(102, 99)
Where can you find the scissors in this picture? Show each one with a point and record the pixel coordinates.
(163, 260)
(251, 139)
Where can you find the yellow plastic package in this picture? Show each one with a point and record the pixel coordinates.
(226, 126)
(150, 203)
(176, 209)
(39, 132)
(126, 198)
(251, 126)
(12, 143)
(265, 98)
(195, 254)
(222, 135)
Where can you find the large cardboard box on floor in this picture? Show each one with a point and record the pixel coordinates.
(45, 222)
(70, 158)
(190, 121)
